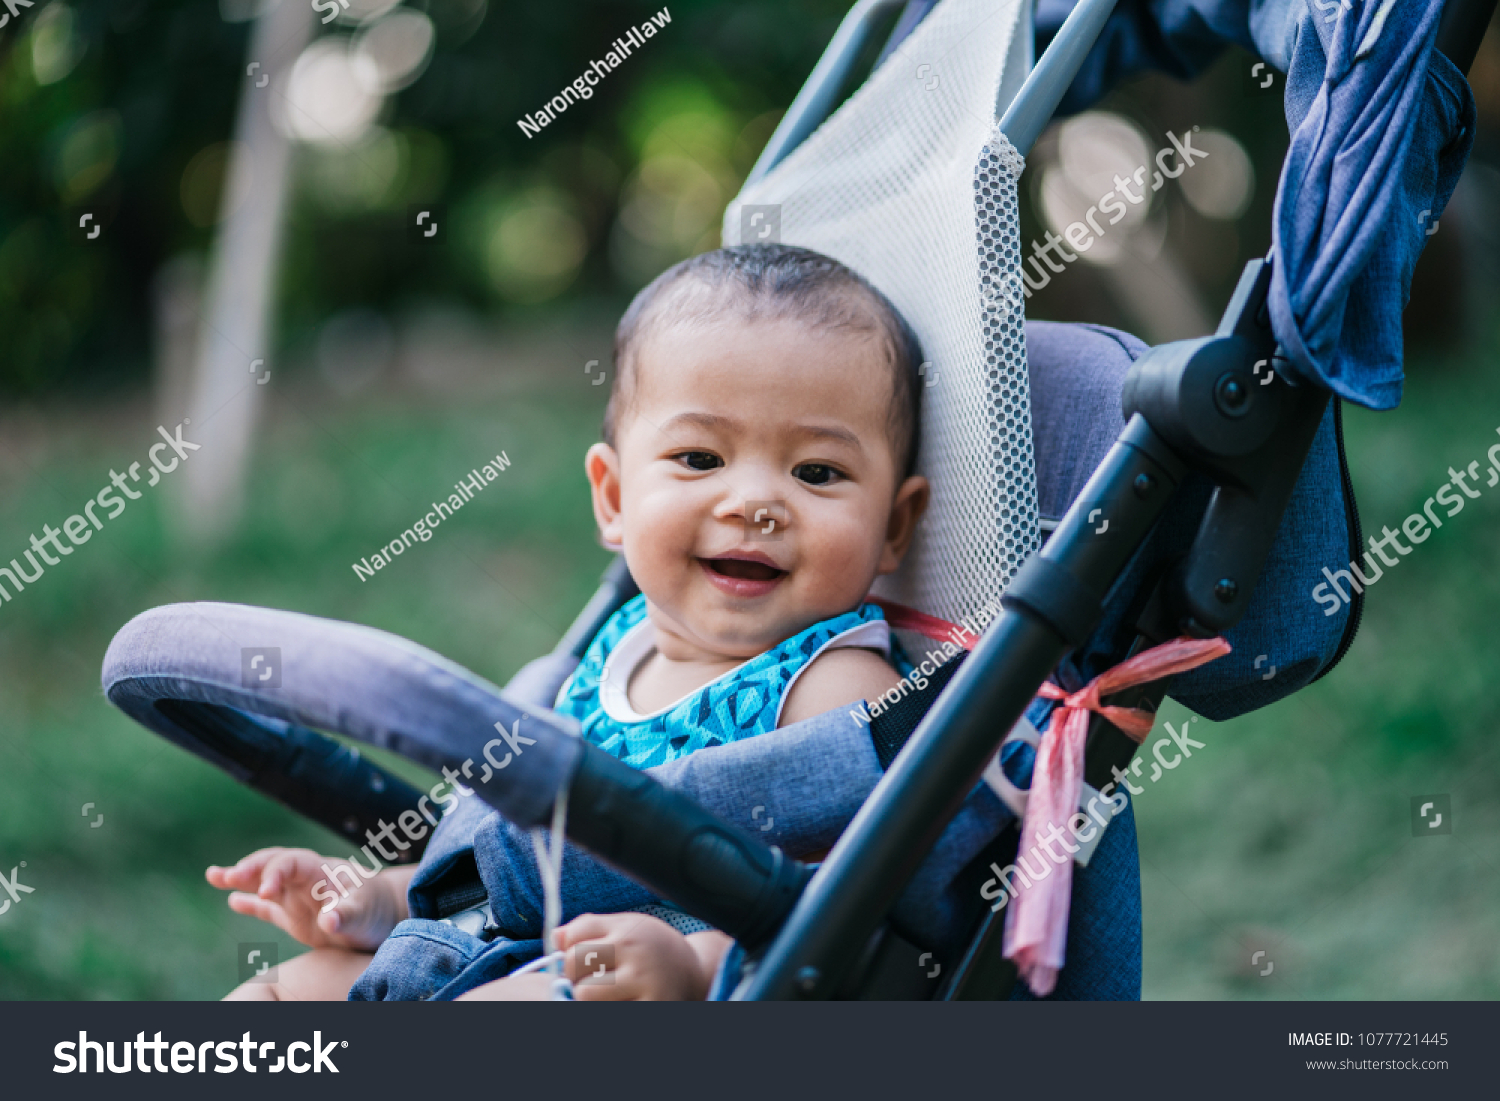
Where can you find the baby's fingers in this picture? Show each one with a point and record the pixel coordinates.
(597, 991)
(245, 875)
(269, 912)
(281, 869)
(586, 927)
(347, 918)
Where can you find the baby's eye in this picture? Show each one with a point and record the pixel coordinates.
(816, 474)
(699, 460)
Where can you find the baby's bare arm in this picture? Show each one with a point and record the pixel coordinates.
(838, 678)
(530, 987)
(322, 975)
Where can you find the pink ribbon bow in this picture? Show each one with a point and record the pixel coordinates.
(1036, 928)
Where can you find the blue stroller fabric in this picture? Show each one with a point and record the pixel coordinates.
(1381, 129)
(1178, 37)
(1284, 638)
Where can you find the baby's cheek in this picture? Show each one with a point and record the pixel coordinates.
(665, 514)
(657, 531)
(843, 553)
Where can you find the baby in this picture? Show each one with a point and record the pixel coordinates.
(756, 472)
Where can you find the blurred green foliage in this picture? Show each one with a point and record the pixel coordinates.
(1288, 834)
(1292, 832)
(122, 911)
(122, 107)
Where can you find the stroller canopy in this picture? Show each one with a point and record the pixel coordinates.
(1381, 129)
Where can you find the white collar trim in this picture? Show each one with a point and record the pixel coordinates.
(638, 643)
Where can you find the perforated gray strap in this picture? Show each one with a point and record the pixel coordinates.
(685, 924)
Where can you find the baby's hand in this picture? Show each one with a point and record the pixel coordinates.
(651, 960)
(277, 885)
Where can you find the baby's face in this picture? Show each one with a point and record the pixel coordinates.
(731, 418)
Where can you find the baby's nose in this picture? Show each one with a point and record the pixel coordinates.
(765, 519)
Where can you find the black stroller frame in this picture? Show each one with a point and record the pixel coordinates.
(1200, 406)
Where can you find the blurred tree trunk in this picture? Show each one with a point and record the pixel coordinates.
(232, 358)
(177, 309)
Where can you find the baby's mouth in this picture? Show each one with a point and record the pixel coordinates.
(743, 569)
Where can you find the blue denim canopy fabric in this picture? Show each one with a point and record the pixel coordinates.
(1179, 37)
(1381, 127)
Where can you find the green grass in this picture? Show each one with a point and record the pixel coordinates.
(1291, 834)
(122, 911)
(1288, 834)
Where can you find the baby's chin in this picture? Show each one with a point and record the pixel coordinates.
(745, 634)
(706, 618)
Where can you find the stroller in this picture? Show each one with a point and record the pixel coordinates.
(1204, 513)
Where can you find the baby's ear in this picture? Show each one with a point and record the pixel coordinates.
(602, 466)
(906, 513)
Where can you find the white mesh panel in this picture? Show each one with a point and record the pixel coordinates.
(911, 185)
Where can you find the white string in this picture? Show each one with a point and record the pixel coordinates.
(537, 964)
(549, 864)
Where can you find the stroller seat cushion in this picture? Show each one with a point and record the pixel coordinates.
(1077, 373)
(537, 683)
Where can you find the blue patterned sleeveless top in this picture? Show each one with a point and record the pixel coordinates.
(742, 703)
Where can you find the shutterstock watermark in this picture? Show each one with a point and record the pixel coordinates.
(1083, 828)
(13, 887)
(760, 224)
(916, 680)
(1332, 594)
(13, 11)
(80, 527)
(1431, 815)
(1009, 294)
(463, 493)
(409, 822)
(583, 87)
(193, 1056)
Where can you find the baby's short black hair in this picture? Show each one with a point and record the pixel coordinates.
(772, 282)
